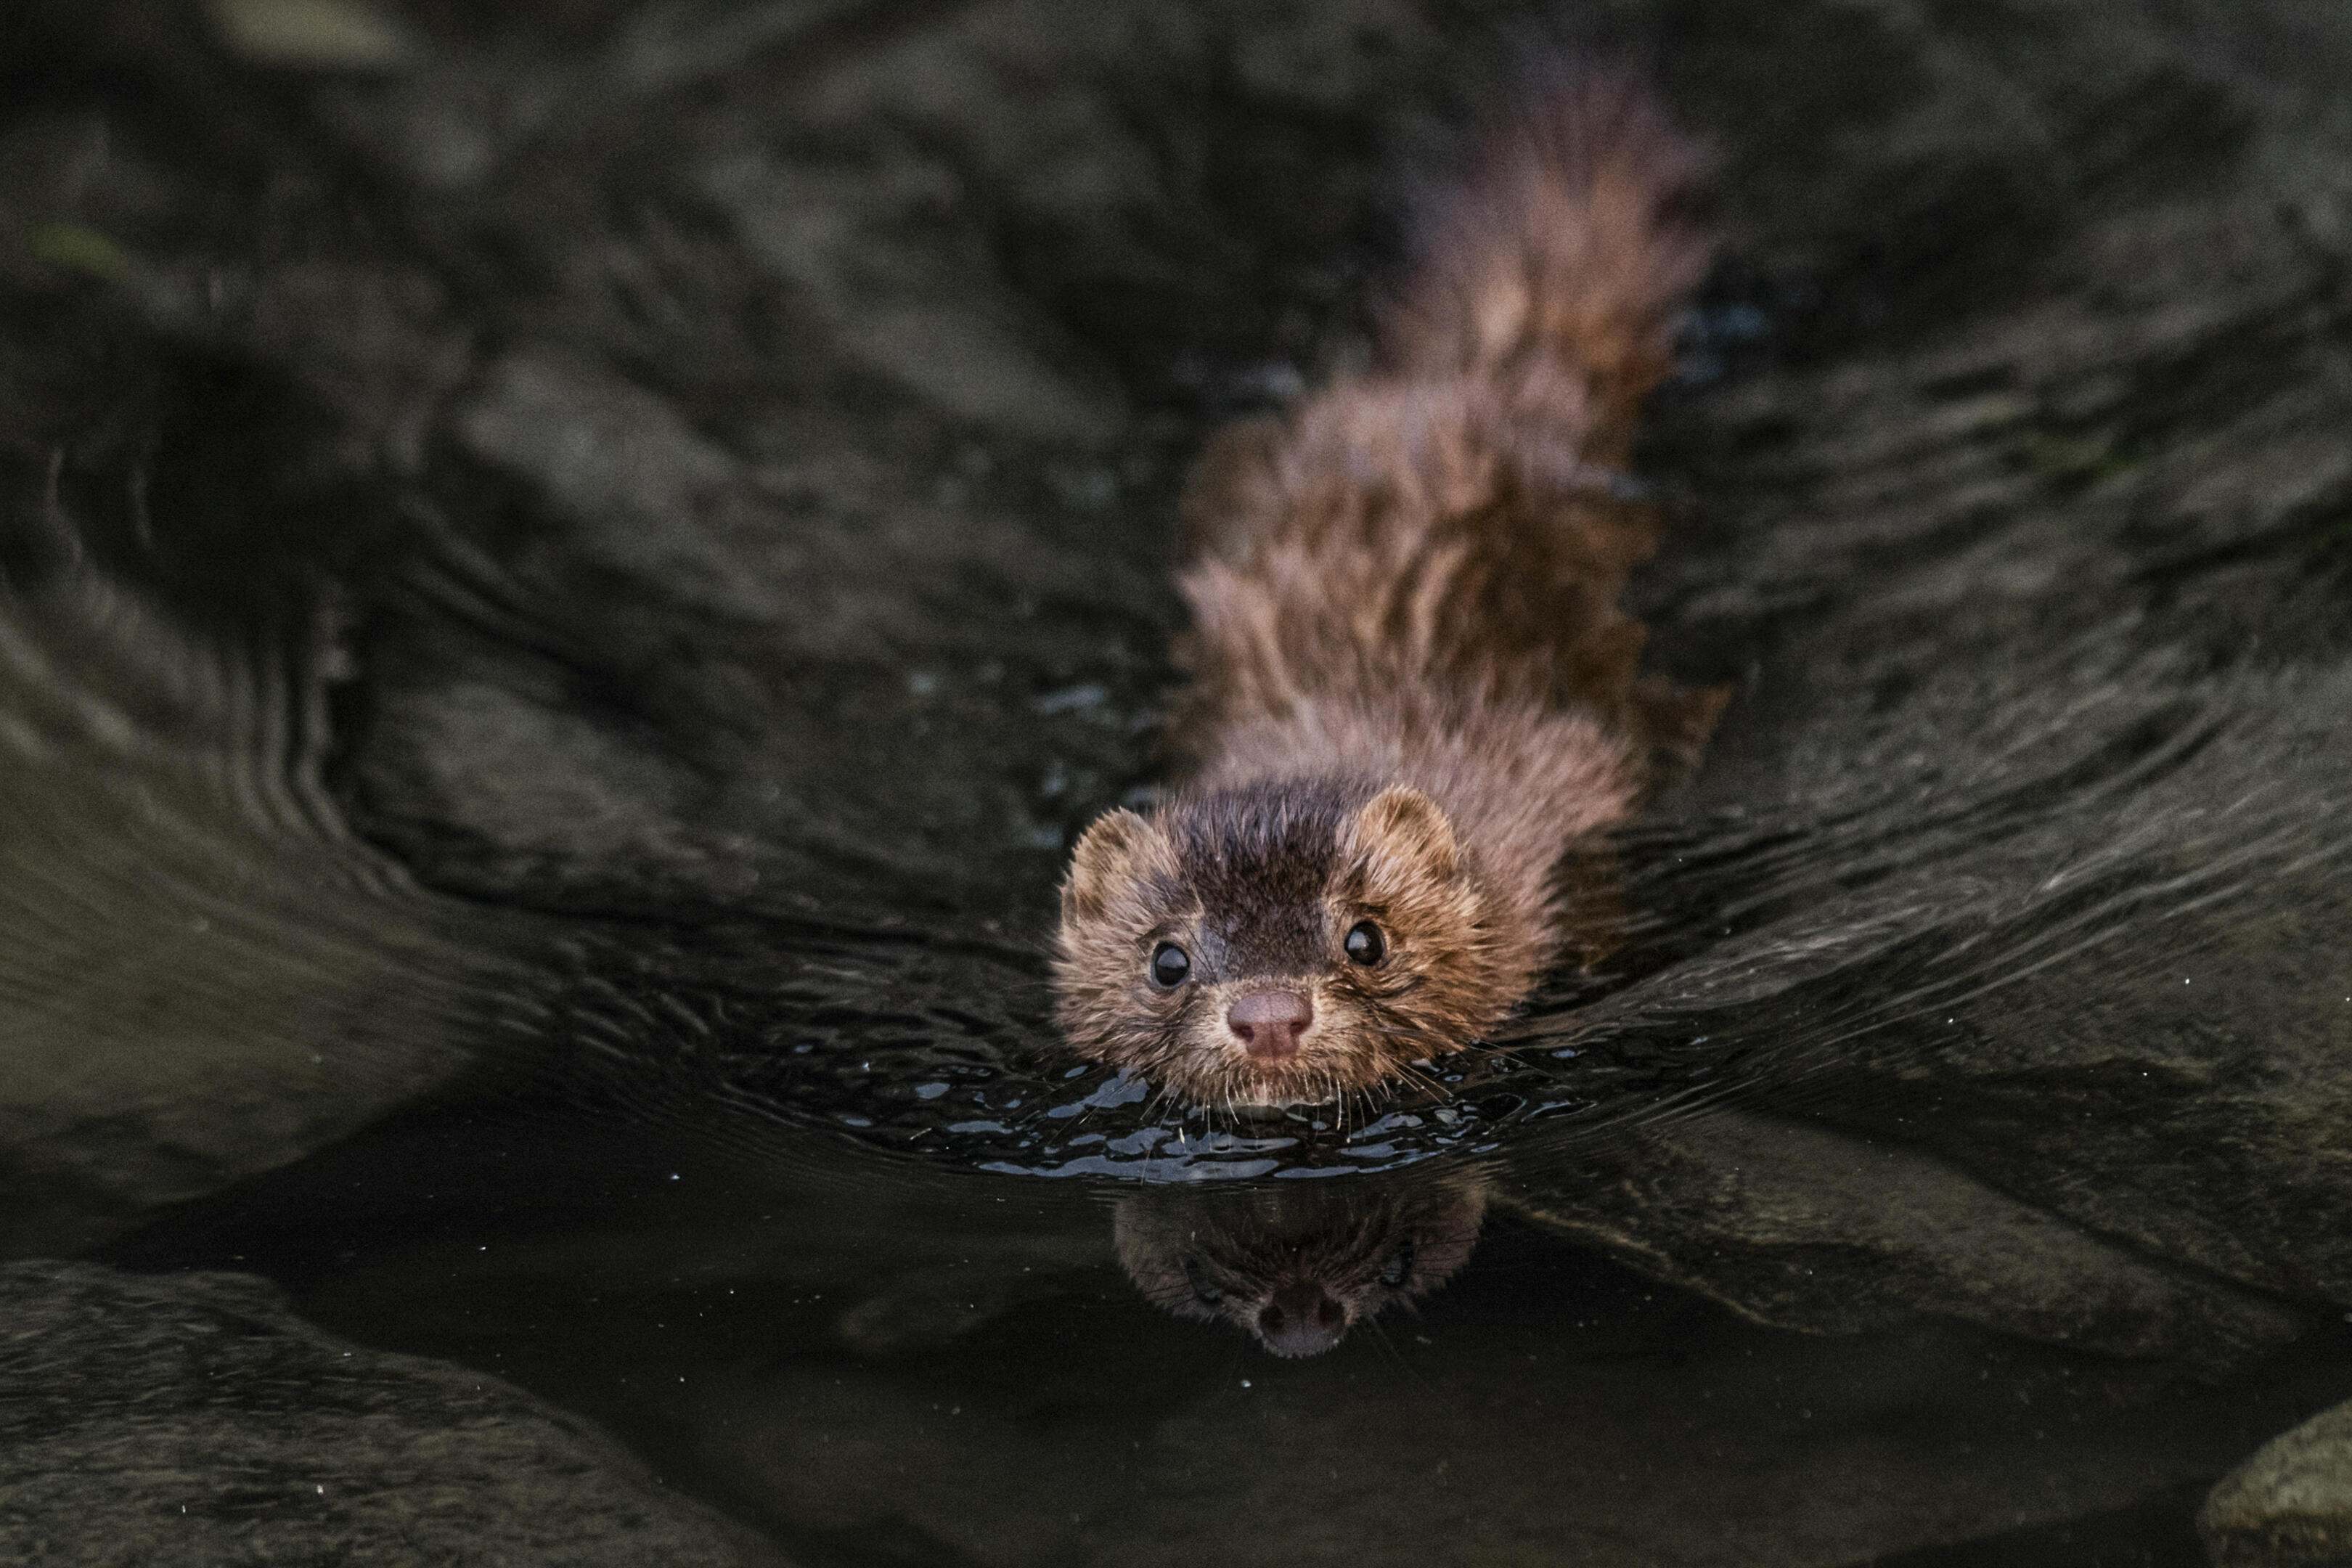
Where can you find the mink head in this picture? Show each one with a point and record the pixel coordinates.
(1300, 1265)
(1281, 943)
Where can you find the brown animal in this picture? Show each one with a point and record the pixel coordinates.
(1412, 692)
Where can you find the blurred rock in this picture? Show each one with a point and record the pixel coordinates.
(1805, 1227)
(314, 35)
(194, 1420)
(2290, 1506)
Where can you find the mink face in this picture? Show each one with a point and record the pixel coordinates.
(1279, 943)
(1296, 1266)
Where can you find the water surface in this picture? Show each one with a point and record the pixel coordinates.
(565, 590)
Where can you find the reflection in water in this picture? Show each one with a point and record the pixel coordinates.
(202, 974)
(1298, 1264)
(882, 1361)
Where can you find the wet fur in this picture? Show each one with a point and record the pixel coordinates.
(1411, 689)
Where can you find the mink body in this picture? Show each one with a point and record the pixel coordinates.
(1412, 691)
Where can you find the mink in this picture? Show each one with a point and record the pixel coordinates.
(1412, 693)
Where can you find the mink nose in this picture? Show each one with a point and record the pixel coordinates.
(1269, 1023)
(1301, 1320)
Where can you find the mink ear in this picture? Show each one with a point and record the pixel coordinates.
(1104, 851)
(1405, 827)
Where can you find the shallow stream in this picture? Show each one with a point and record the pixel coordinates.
(567, 578)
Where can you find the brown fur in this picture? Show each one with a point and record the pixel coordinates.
(1298, 1265)
(1412, 689)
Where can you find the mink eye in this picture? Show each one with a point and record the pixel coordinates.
(1399, 1270)
(1208, 1295)
(1365, 944)
(1170, 965)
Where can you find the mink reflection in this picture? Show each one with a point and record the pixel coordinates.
(1298, 1264)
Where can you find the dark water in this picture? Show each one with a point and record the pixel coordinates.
(562, 602)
